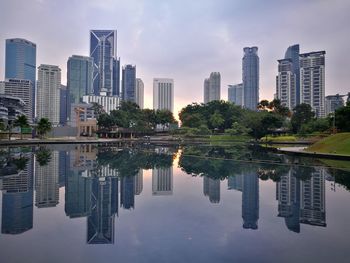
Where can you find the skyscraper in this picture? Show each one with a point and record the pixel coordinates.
(312, 81)
(103, 50)
(333, 102)
(21, 88)
(212, 87)
(129, 83)
(79, 79)
(250, 77)
(286, 83)
(116, 77)
(49, 85)
(63, 105)
(20, 62)
(139, 94)
(163, 94)
(292, 54)
(235, 94)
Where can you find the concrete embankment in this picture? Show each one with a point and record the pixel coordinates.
(299, 151)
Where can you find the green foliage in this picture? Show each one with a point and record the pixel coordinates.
(302, 114)
(22, 122)
(315, 125)
(342, 118)
(216, 120)
(44, 126)
(238, 129)
(43, 156)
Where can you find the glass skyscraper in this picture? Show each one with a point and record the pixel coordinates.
(129, 83)
(292, 53)
(20, 62)
(103, 50)
(250, 67)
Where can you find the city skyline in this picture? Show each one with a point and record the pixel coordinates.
(190, 62)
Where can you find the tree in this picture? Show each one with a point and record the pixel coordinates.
(98, 109)
(165, 117)
(22, 122)
(149, 116)
(342, 118)
(216, 120)
(237, 129)
(302, 113)
(43, 127)
(43, 156)
(105, 121)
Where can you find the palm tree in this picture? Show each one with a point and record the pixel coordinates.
(22, 122)
(44, 126)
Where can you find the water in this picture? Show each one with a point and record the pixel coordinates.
(133, 203)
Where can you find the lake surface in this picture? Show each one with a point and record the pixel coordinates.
(148, 203)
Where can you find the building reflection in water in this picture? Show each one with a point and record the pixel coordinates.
(162, 181)
(211, 188)
(250, 201)
(47, 183)
(302, 201)
(17, 199)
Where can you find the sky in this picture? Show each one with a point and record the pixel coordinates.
(187, 39)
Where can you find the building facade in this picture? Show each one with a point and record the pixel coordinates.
(108, 103)
(23, 89)
(79, 79)
(129, 83)
(212, 87)
(10, 108)
(250, 77)
(48, 99)
(235, 94)
(333, 102)
(139, 94)
(20, 62)
(292, 53)
(103, 50)
(312, 81)
(286, 83)
(163, 94)
(162, 181)
(63, 104)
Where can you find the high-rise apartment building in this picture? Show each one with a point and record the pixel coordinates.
(292, 53)
(235, 94)
(20, 62)
(211, 188)
(79, 79)
(139, 93)
(162, 181)
(108, 103)
(333, 102)
(163, 94)
(286, 83)
(129, 83)
(63, 104)
(312, 81)
(48, 99)
(250, 77)
(212, 87)
(103, 50)
(20, 88)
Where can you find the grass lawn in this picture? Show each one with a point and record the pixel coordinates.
(287, 138)
(337, 143)
(225, 137)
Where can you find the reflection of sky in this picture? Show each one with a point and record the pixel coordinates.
(186, 227)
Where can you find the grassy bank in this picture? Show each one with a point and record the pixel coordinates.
(337, 144)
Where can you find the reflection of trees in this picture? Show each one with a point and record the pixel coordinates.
(341, 177)
(43, 156)
(128, 162)
(21, 162)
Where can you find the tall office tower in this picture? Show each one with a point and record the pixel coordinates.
(49, 85)
(292, 53)
(104, 199)
(20, 88)
(139, 94)
(286, 83)
(138, 182)
(63, 105)
(312, 204)
(162, 181)
(77, 195)
(312, 81)
(250, 77)
(46, 182)
(79, 79)
(235, 182)
(20, 62)
(235, 94)
(212, 87)
(116, 77)
(103, 50)
(127, 192)
(211, 188)
(250, 201)
(129, 83)
(333, 102)
(17, 199)
(288, 196)
(163, 94)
